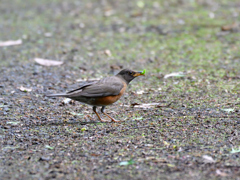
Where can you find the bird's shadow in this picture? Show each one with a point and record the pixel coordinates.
(69, 123)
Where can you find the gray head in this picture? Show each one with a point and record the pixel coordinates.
(128, 75)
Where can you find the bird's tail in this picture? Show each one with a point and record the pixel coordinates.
(57, 95)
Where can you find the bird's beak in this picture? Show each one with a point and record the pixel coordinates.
(140, 73)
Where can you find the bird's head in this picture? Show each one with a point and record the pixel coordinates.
(128, 75)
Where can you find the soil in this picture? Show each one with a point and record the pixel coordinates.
(180, 121)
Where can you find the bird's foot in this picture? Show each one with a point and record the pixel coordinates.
(103, 120)
(114, 120)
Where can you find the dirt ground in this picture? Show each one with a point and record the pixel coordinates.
(180, 121)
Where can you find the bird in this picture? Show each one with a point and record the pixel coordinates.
(103, 92)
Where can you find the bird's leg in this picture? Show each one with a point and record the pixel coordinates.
(102, 110)
(94, 110)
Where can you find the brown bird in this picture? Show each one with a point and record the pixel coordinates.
(104, 92)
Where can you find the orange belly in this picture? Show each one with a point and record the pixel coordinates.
(107, 100)
(104, 101)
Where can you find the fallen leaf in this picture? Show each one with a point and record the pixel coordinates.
(108, 52)
(109, 12)
(125, 163)
(10, 147)
(228, 110)
(235, 150)
(220, 173)
(140, 92)
(47, 62)
(47, 34)
(10, 43)
(49, 147)
(2, 105)
(138, 118)
(211, 15)
(150, 158)
(134, 104)
(149, 105)
(140, 4)
(170, 165)
(229, 27)
(24, 89)
(26, 97)
(208, 159)
(43, 158)
(148, 145)
(13, 122)
(174, 146)
(136, 14)
(75, 114)
(66, 100)
(166, 143)
(95, 155)
(176, 74)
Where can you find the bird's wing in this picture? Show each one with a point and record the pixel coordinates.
(110, 86)
(78, 90)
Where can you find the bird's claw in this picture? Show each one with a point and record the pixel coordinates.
(114, 120)
(103, 120)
